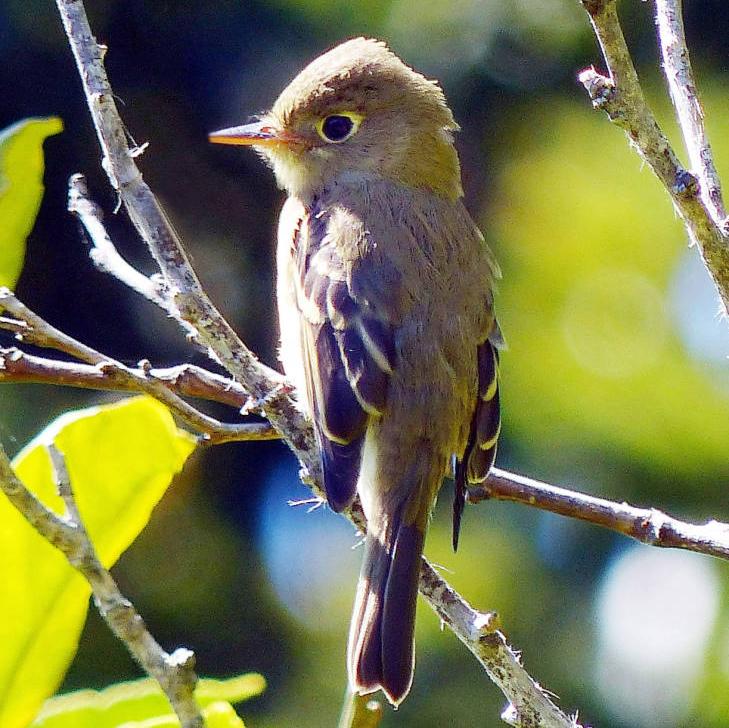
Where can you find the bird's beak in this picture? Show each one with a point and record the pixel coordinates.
(260, 133)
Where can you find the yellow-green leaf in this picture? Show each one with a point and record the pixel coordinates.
(21, 189)
(216, 715)
(233, 690)
(141, 704)
(121, 459)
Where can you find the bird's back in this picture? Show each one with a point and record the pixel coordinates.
(394, 285)
(417, 263)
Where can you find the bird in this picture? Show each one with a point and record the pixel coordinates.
(385, 289)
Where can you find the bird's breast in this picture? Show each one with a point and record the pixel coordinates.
(292, 231)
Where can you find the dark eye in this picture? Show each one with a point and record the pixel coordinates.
(337, 127)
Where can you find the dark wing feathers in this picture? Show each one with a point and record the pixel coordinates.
(349, 355)
(487, 416)
(480, 452)
(368, 380)
(341, 418)
(380, 341)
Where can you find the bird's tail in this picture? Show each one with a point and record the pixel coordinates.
(381, 650)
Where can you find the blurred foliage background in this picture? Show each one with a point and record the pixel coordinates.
(615, 381)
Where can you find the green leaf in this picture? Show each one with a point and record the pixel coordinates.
(216, 715)
(21, 189)
(141, 704)
(232, 690)
(121, 459)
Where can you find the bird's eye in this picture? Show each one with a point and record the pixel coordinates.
(338, 127)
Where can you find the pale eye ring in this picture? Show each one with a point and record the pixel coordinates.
(337, 128)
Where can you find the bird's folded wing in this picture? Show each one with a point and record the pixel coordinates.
(349, 354)
(480, 452)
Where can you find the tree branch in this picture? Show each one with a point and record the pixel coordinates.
(31, 328)
(189, 302)
(621, 97)
(529, 705)
(684, 94)
(103, 253)
(647, 525)
(185, 379)
(174, 673)
(40, 332)
(17, 366)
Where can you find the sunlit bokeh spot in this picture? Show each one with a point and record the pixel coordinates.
(655, 614)
(503, 38)
(464, 30)
(309, 555)
(614, 322)
(696, 307)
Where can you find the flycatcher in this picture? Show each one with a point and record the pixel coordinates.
(386, 316)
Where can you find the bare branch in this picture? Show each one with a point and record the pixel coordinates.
(31, 328)
(621, 97)
(40, 332)
(529, 705)
(103, 253)
(647, 525)
(184, 379)
(175, 673)
(684, 94)
(211, 330)
(10, 324)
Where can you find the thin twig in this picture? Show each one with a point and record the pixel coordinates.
(191, 304)
(621, 97)
(13, 325)
(40, 332)
(184, 379)
(175, 673)
(29, 327)
(684, 93)
(103, 253)
(647, 525)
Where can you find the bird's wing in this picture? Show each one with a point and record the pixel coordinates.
(480, 452)
(349, 354)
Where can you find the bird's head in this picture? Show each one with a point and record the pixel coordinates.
(357, 110)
